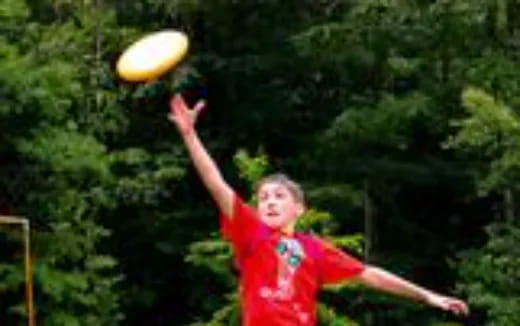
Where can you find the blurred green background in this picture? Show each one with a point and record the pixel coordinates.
(399, 117)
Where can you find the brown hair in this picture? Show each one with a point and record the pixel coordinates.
(279, 178)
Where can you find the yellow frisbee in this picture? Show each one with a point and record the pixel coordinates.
(152, 55)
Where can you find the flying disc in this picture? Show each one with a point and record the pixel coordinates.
(153, 55)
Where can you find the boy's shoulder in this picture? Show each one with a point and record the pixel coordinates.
(310, 237)
(313, 244)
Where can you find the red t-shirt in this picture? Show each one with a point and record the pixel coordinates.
(279, 274)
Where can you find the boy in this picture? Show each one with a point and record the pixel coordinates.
(282, 270)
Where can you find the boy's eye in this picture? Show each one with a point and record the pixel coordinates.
(280, 195)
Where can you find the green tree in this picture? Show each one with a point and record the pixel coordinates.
(489, 133)
(355, 99)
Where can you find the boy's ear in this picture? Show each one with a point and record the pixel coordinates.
(301, 208)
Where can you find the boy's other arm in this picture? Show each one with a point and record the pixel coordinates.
(185, 119)
(380, 279)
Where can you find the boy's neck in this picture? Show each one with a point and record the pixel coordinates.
(288, 229)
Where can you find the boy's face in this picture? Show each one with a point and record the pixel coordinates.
(277, 206)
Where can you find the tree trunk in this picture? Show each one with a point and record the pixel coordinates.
(501, 20)
(99, 57)
(369, 218)
(509, 206)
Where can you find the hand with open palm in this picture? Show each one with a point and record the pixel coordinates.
(454, 305)
(183, 116)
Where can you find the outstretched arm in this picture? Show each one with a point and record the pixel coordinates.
(185, 118)
(380, 279)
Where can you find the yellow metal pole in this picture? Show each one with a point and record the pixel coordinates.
(29, 300)
(28, 276)
(12, 220)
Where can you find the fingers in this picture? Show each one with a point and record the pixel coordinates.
(461, 309)
(199, 107)
(458, 307)
(171, 117)
(176, 109)
(173, 109)
(177, 104)
(181, 113)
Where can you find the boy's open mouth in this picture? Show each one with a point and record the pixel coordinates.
(272, 214)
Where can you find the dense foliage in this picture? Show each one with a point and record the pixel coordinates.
(399, 117)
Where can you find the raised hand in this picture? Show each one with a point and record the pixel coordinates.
(183, 116)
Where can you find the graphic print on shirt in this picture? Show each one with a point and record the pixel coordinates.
(290, 254)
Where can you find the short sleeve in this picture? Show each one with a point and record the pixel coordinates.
(242, 229)
(335, 266)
